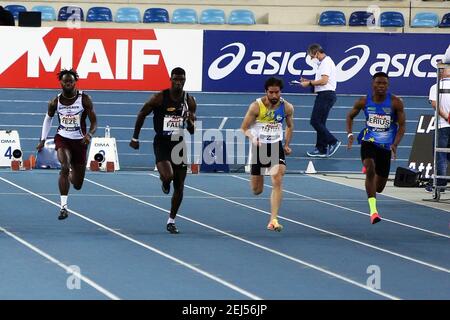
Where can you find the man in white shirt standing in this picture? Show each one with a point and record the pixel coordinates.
(444, 126)
(325, 86)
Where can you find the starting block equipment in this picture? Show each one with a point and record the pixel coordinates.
(103, 154)
(15, 165)
(110, 167)
(95, 166)
(10, 149)
(195, 168)
(27, 164)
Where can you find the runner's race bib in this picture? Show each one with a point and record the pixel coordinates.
(70, 122)
(379, 122)
(271, 132)
(173, 124)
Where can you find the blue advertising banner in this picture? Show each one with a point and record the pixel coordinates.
(240, 61)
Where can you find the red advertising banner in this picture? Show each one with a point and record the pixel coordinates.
(125, 59)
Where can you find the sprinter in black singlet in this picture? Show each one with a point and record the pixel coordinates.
(173, 110)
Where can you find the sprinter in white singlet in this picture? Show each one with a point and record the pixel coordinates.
(71, 139)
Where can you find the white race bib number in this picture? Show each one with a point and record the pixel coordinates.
(173, 124)
(70, 122)
(377, 121)
(271, 132)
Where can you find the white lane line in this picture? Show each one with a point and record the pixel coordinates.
(355, 211)
(315, 267)
(157, 251)
(222, 123)
(88, 281)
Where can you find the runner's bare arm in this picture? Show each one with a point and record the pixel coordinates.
(357, 107)
(192, 107)
(46, 126)
(146, 109)
(89, 107)
(249, 119)
(398, 106)
(289, 127)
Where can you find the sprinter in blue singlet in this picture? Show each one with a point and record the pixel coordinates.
(385, 127)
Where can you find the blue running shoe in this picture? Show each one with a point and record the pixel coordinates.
(332, 148)
(316, 154)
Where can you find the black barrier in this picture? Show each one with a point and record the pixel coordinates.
(30, 19)
(421, 156)
(405, 177)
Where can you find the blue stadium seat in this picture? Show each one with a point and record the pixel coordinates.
(392, 19)
(361, 18)
(15, 9)
(425, 20)
(48, 13)
(445, 22)
(156, 15)
(212, 16)
(72, 12)
(130, 15)
(99, 14)
(184, 15)
(241, 16)
(332, 18)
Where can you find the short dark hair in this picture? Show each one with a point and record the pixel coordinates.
(314, 48)
(178, 71)
(273, 82)
(71, 71)
(380, 74)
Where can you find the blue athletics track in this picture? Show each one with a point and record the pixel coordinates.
(114, 244)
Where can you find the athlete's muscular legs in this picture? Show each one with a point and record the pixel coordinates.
(277, 173)
(371, 186)
(257, 184)
(77, 175)
(380, 182)
(178, 187)
(165, 171)
(64, 157)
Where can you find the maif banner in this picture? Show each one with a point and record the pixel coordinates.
(125, 59)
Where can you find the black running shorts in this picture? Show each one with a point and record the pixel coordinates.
(381, 156)
(266, 156)
(167, 150)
